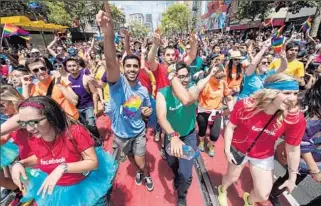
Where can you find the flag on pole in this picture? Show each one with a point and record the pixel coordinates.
(12, 30)
(181, 47)
(278, 40)
(307, 24)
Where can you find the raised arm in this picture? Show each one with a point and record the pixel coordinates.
(126, 43)
(151, 59)
(52, 52)
(104, 20)
(284, 62)
(251, 68)
(192, 55)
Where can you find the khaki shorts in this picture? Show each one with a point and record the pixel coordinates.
(135, 146)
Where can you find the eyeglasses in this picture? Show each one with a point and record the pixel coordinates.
(57, 66)
(36, 70)
(265, 63)
(31, 123)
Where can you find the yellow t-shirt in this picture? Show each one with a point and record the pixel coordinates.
(295, 68)
(98, 76)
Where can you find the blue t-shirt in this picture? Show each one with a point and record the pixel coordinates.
(126, 106)
(19, 89)
(253, 83)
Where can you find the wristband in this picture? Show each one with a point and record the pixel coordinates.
(64, 167)
(291, 171)
(17, 162)
(173, 134)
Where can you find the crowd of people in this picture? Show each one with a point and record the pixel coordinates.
(234, 86)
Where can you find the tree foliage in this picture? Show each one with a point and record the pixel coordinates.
(176, 19)
(58, 14)
(137, 29)
(249, 9)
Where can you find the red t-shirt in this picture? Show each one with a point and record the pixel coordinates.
(145, 80)
(160, 75)
(247, 130)
(20, 138)
(63, 149)
(4, 70)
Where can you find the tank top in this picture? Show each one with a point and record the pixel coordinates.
(182, 118)
(85, 99)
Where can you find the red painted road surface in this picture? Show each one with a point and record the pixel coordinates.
(127, 193)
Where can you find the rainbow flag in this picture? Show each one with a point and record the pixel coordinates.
(12, 30)
(181, 47)
(307, 24)
(278, 40)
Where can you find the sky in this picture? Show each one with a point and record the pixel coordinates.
(145, 7)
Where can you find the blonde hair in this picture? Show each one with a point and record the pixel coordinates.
(262, 98)
(8, 93)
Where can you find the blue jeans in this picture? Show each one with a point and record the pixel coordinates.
(182, 168)
(87, 117)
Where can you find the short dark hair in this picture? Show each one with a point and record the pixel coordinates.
(291, 45)
(132, 56)
(34, 60)
(169, 47)
(181, 65)
(20, 68)
(69, 60)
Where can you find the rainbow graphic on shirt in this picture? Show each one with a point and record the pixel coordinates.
(131, 106)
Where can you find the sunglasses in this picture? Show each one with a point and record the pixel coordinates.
(31, 123)
(58, 66)
(36, 70)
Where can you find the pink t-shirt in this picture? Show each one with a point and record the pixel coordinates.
(247, 130)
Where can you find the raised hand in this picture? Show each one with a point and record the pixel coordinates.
(104, 20)
(26, 80)
(157, 37)
(125, 32)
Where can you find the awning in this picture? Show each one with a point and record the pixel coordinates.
(277, 22)
(25, 23)
(249, 25)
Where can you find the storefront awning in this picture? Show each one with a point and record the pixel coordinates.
(25, 23)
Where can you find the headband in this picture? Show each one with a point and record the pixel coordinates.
(32, 104)
(284, 85)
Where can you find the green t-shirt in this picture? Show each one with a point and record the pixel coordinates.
(182, 118)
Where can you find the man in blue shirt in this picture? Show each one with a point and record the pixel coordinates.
(129, 103)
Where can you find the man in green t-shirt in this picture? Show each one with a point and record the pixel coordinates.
(176, 111)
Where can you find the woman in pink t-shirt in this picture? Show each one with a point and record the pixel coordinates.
(255, 125)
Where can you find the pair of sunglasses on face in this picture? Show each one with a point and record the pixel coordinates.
(57, 66)
(31, 123)
(36, 70)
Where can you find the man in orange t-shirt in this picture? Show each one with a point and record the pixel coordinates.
(61, 91)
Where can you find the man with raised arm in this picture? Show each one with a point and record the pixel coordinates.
(130, 101)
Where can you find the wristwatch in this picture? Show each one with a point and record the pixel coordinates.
(64, 167)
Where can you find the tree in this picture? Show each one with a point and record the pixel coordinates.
(249, 9)
(176, 18)
(137, 29)
(58, 13)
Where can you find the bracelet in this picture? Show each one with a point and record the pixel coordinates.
(291, 171)
(173, 134)
(64, 167)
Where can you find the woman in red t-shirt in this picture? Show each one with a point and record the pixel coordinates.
(14, 144)
(69, 173)
(267, 115)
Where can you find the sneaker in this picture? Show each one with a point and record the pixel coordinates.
(7, 196)
(148, 183)
(275, 201)
(181, 202)
(211, 151)
(139, 178)
(157, 136)
(222, 196)
(246, 199)
(163, 153)
(201, 146)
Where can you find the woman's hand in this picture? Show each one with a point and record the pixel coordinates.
(289, 185)
(51, 181)
(229, 157)
(18, 170)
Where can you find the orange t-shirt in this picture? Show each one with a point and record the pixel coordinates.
(212, 95)
(233, 83)
(40, 89)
